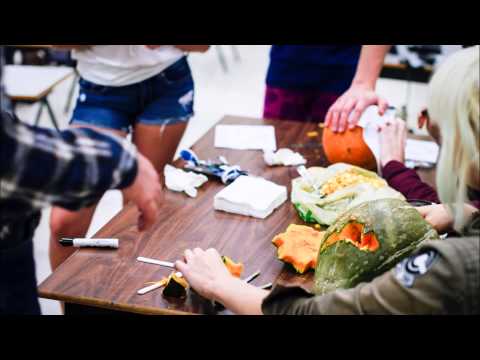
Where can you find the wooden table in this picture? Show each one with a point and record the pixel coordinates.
(109, 279)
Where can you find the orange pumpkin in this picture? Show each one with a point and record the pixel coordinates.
(299, 246)
(348, 147)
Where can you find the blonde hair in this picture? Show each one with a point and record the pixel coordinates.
(454, 99)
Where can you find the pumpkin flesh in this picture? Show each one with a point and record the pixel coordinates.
(299, 247)
(353, 233)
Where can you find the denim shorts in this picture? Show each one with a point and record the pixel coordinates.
(164, 99)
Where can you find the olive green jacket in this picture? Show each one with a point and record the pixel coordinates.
(442, 277)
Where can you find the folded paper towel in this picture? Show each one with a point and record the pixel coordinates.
(245, 137)
(182, 181)
(284, 157)
(251, 196)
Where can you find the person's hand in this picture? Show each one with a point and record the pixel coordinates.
(393, 139)
(440, 217)
(205, 272)
(349, 107)
(145, 192)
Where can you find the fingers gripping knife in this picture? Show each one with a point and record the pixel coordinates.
(220, 169)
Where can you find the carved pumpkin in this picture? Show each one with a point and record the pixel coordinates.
(368, 240)
(175, 287)
(299, 247)
(348, 147)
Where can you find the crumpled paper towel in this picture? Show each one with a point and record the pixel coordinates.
(182, 181)
(370, 121)
(284, 157)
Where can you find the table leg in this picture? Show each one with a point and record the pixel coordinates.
(50, 112)
(39, 114)
(13, 103)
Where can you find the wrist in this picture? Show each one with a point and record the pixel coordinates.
(364, 84)
(221, 288)
(385, 161)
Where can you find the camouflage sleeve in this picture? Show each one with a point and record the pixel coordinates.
(433, 281)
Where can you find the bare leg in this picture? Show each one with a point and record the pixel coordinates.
(64, 223)
(158, 143)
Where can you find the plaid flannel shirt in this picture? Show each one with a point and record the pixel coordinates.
(71, 169)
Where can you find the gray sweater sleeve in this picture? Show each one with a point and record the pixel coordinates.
(442, 277)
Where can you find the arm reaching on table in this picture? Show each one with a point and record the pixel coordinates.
(393, 137)
(441, 218)
(348, 109)
(77, 167)
(392, 156)
(393, 140)
(389, 293)
(206, 273)
(145, 192)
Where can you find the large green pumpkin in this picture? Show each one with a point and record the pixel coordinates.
(368, 240)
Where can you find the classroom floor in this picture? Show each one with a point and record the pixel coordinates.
(239, 91)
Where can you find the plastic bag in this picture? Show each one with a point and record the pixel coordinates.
(315, 206)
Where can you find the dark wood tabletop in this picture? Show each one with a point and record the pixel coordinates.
(110, 279)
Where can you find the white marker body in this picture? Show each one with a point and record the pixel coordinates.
(156, 262)
(108, 243)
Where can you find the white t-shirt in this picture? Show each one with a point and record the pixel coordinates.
(121, 65)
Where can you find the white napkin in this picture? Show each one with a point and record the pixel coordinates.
(251, 196)
(182, 181)
(245, 137)
(416, 151)
(284, 157)
(370, 121)
(422, 151)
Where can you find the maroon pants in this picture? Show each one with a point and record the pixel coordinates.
(297, 105)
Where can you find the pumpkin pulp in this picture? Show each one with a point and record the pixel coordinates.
(353, 233)
(299, 247)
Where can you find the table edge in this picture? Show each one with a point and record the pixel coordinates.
(41, 95)
(121, 307)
